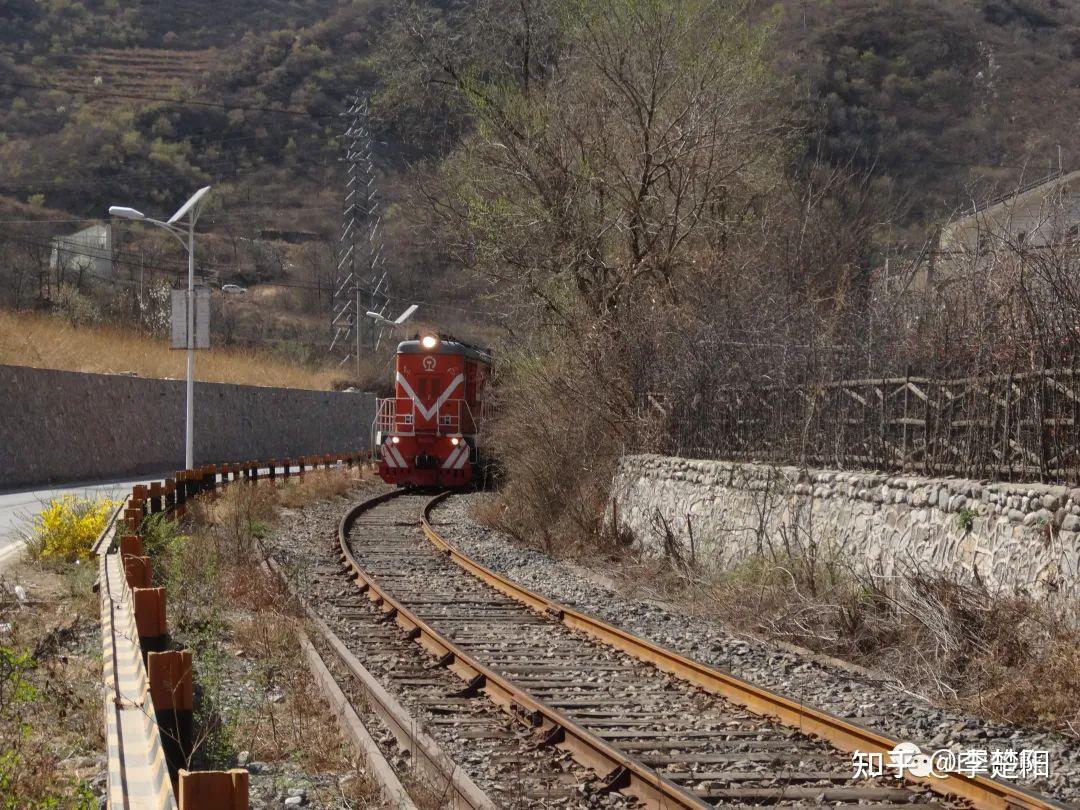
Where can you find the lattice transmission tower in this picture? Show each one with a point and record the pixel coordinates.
(361, 282)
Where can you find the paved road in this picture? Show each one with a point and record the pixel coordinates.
(17, 507)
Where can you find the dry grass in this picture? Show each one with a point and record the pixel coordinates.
(43, 341)
(1011, 659)
(51, 742)
(289, 719)
(322, 485)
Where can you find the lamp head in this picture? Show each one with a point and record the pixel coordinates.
(125, 213)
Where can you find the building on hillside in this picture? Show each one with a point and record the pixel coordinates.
(87, 251)
(1038, 215)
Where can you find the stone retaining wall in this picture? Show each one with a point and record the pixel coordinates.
(1009, 536)
(63, 426)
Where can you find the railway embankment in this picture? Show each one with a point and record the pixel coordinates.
(1008, 537)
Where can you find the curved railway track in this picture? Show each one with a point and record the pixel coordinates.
(646, 722)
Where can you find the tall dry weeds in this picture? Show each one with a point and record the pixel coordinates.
(235, 616)
(1009, 658)
(42, 341)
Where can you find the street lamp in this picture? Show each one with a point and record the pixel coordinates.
(191, 210)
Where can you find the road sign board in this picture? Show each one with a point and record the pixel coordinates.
(180, 318)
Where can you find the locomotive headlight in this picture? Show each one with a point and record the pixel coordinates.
(396, 439)
(429, 341)
(455, 441)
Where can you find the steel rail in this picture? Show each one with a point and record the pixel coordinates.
(842, 734)
(459, 791)
(618, 771)
(390, 787)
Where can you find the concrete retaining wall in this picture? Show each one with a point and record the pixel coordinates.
(1011, 536)
(61, 426)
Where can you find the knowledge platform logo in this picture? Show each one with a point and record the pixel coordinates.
(907, 759)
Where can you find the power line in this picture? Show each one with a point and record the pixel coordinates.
(181, 267)
(167, 100)
(211, 218)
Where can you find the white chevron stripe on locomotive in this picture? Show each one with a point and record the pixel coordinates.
(393, 456)
(464, 456)
(453, 457)
(427, 413)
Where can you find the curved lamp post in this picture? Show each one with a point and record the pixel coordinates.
(191, 210)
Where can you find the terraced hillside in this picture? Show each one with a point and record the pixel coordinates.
(133, 72)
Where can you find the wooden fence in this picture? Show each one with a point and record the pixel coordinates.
(1010, 426)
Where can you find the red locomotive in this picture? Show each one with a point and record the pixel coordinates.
(426, 434)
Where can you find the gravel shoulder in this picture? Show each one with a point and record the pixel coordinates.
(868, 698)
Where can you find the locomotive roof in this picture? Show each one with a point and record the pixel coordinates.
(446, 346)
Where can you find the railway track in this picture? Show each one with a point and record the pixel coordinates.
(517, 686)
(469, 739)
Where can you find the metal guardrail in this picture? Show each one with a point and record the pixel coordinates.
(132, 613)
(138, 773)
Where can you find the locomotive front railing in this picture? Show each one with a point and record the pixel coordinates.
(398, 416)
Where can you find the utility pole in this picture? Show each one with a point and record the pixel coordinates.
(361, 272)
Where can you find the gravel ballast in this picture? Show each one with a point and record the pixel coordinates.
(870, 699)
(502, 758)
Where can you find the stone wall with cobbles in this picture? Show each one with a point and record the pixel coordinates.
(1011, 537)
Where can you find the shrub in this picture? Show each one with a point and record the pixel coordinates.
(67, 528)
(75, 306)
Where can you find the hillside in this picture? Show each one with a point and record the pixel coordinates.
(949, 100)
(942, 97)
(142, 103)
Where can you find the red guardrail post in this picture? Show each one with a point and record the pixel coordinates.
(149, 607)
(130, 545)
(173, 693)
(155, 499)
(213, 790)
(137, 571)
